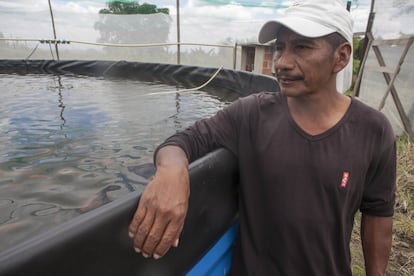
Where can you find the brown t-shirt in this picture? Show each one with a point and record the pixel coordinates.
(299, 193)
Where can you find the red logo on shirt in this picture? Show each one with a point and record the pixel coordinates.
(345, 178)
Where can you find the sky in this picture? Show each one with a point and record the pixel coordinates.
(201, 20)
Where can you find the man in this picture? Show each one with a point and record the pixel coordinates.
(309, 158)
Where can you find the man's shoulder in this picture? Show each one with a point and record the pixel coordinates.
(261, 98)
(372, 119)
(367, 112)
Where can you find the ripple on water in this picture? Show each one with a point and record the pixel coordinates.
(70, 144)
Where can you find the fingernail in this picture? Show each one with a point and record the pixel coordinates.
(130, 234)
(176, 242)
(137, 250)
(145, 255)
(156, 256)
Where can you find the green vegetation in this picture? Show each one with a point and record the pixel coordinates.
(357, 56)
(132, 7)
(357, 46)
(402, 255)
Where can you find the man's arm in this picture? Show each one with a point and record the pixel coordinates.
(159, 218)
(376, 236)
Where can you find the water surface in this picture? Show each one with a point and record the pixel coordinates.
(70, 144)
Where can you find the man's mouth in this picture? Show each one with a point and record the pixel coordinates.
(289, 78)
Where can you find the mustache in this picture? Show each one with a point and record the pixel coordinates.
(282, 75)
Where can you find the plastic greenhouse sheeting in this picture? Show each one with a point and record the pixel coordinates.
(394, 20)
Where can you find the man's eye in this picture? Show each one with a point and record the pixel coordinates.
(278, 48)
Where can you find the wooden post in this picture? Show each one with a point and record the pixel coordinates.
(404, 119)
(235, 56)
(396, 71)
(365, 49)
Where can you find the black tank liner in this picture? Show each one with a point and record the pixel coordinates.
(97, 243)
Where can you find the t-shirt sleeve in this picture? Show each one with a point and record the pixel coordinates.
(204, 136)
(379, 192)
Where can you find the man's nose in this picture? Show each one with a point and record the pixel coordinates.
(284, 61)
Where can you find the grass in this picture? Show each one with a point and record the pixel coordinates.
(401, 261)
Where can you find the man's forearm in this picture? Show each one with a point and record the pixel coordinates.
(376, 236)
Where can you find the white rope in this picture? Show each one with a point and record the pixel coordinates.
(150, 44)
(189, 89)
(114, 44)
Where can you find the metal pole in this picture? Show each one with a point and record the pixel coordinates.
(178, 33)
(235, 56)
(54, 30)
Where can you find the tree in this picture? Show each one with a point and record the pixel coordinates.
(131, 23)
(132, 7)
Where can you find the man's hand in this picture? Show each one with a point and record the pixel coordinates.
(159, 218)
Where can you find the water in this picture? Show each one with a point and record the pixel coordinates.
(71, 144)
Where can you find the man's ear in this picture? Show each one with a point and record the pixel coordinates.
(342, 56)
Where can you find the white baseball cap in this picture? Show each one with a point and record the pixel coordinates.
(315, 18)
(311, 18)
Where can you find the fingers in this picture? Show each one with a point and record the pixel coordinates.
(177, 239)
(169, 239)
(143, 232)
(136, 221)
(154, 234)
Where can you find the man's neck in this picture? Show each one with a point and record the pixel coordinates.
(317, 113)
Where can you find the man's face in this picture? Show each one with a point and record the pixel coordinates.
(303, 66)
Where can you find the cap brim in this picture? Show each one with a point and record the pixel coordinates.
(300, 26)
